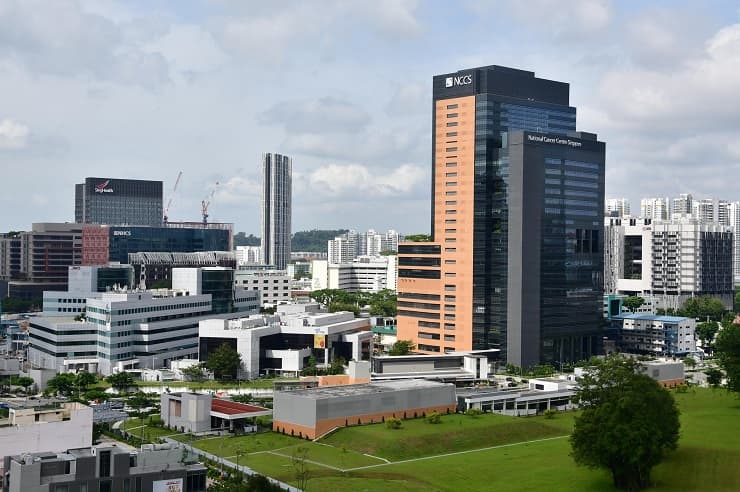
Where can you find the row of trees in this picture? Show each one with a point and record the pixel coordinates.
(703, 307)
(382, 303)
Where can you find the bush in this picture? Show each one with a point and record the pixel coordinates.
(550, 414)
(434, 418)
(393, 423)
(473, 412)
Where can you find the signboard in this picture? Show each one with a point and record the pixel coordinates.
(172, 485)
(319, 341)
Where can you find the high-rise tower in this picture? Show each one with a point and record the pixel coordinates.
(515, 260)
(277, 172)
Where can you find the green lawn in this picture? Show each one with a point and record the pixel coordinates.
(708, 457)
(149, 432)
(228, 446)
(457, 432)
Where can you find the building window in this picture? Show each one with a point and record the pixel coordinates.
(451, 175)
(104, 464)
(452, 115)
(451, 164)
(451, 202)
(428, 348)
(450, 250)
(452, 123)
(450, 231)
(451, 134)
(450, 193)
(451, 221)
(450, 287)
(452, 106)
(451, 149)
(450, 212)
(451, 183)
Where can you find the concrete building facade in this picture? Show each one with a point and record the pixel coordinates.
(313, 412)
(118, 201)
(52, 428)
(274, 286)
(653, 335)
(106, 468)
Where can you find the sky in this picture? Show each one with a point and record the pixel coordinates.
(145, 89)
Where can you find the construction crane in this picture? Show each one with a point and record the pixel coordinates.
(172, 194)
(206, 202)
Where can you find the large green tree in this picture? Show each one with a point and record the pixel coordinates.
(703, 307)
(627, 425)
(120, 381)
(705, 331)
(85, 379)
(633, 302)
(224, 361)
(728, 353)
(63, 383)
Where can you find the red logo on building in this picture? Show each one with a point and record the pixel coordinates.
(101, 188)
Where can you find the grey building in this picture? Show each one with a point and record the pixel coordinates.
(277, 179)
(188, 412)
(105, 468)
(118, 201)
(313, 412)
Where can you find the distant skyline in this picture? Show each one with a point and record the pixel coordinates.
(145, 89)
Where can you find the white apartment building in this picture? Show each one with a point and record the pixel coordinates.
(283, 342)
(248, 255)
(364, 274)
(671, 261)
(274, 286)
(711, 210)
(733, 213)
(139, 329)
(341, 250)
(683, 205)
(654, 208)
(617, 207)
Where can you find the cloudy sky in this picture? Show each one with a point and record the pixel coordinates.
(147, 88)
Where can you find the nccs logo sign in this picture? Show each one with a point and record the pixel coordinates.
(459, 80)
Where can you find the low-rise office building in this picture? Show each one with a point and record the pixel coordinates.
(106, 468)
(198, 412)
(139, 329)
(474, 365)
(313, 412)
(542, 394)
(52, 427)
(364, 274)
(274, 285)
(86, 282)
(653, 335)
(282, 343)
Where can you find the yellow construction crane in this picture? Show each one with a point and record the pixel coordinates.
(206, 202)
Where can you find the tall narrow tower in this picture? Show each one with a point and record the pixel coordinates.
(277, 172)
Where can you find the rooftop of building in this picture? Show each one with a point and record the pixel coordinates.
(328, 392)
(651, 317)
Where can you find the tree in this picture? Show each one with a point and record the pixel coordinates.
(633, 302)
(337, 366)
(627, 425)
(714, 377)
(335, 307)
(388, 252)
(728, 353)
(402, 347)
(194, 372)
(85, 379)
(418, 238)
(120, 381)
(224, 361)
(24, 382)
(689, 362)
(703, 307)
(705, 332)
(300, 465)
(63, 383)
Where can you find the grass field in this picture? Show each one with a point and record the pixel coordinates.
(151, 433)
(708, 458)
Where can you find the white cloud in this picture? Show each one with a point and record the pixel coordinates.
(238, 190)
(358, 180)
(13, 135)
